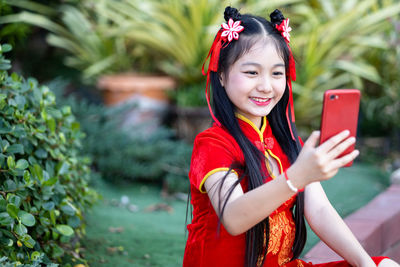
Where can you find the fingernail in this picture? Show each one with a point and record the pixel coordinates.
(347, 132)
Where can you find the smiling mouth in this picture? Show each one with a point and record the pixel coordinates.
(260, 101)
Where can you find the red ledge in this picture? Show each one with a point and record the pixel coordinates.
(376, 226)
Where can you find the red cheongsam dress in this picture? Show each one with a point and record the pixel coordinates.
(215, 150)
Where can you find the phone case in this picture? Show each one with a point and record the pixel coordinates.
(339, 113)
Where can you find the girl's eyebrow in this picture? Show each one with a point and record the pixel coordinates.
(259, 65)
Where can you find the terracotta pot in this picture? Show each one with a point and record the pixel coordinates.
(147, 94)
(119, 88)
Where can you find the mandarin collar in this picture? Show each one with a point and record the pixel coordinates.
(262, 138)
(249, 128)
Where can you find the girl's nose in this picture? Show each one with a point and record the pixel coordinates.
(264, 85)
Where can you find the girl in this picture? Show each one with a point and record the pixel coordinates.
(249, 170)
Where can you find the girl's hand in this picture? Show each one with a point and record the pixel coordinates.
(322, 162)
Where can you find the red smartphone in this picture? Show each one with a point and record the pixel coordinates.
(339, 113)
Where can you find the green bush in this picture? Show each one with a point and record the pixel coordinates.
(130, 153)
(37, 261)
(43, 177)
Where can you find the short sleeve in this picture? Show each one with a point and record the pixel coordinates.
(213, 151)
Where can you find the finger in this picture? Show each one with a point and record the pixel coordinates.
(312, 140)
(340, 162)
(341, 147)
(333, 141)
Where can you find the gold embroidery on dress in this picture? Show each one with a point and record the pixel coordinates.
(299, 263)
(280, 226)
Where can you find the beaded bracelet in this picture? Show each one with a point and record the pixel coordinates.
(291, 186)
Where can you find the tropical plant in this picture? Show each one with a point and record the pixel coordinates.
(12, 33)
(332, 41)
(182, 31)
(44, 178)
(381, 108)
(78, 30)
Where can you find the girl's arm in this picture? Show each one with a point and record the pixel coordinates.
(329, 226)
(244, 210)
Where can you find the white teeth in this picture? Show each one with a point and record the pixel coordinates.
(260, 99)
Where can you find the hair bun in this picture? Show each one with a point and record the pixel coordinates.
(276, 17)
(231, 13)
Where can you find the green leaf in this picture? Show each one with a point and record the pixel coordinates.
(6, 242)
(3, 97)
(74, 221)
(6, 48)
(26, 218)
(65, 229)
(68, 209)
(10, 185)
(41, 153)
(15, 77)
(5, 219)
(13, 199)
(66, 110)
(55, 234)
(37, 171)
(27, 177)
(5, 130)
(45, 221)
(5, 65)
(53, 217)
(3, 204)
(22, 164)
(48, 205)
(15, 148)
(359, 69)
(51, 123)
(10, 162)
(50, 182)
(62, 167)
(35, 255)
(20, 100)
(57, 251)
(12, 210)
(28, 241)
(20, 229)
(75, 126)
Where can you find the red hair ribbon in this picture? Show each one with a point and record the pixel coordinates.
(284, 29)
(213, 54)
(225, 35)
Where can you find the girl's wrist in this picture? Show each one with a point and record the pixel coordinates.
(294, 180)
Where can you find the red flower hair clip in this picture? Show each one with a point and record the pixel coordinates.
(231, 30)
(284, 28)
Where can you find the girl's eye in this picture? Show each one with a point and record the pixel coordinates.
(251, 72)
(277, 73)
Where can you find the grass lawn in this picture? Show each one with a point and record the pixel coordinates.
(117, 236)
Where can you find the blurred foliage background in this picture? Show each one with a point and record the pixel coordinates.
(69, 45)
(346, 44)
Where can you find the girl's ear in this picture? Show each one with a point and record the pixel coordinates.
(221, 78)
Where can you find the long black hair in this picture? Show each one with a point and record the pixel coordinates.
(256, 29)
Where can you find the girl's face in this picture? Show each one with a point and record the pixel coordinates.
(256, 81)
